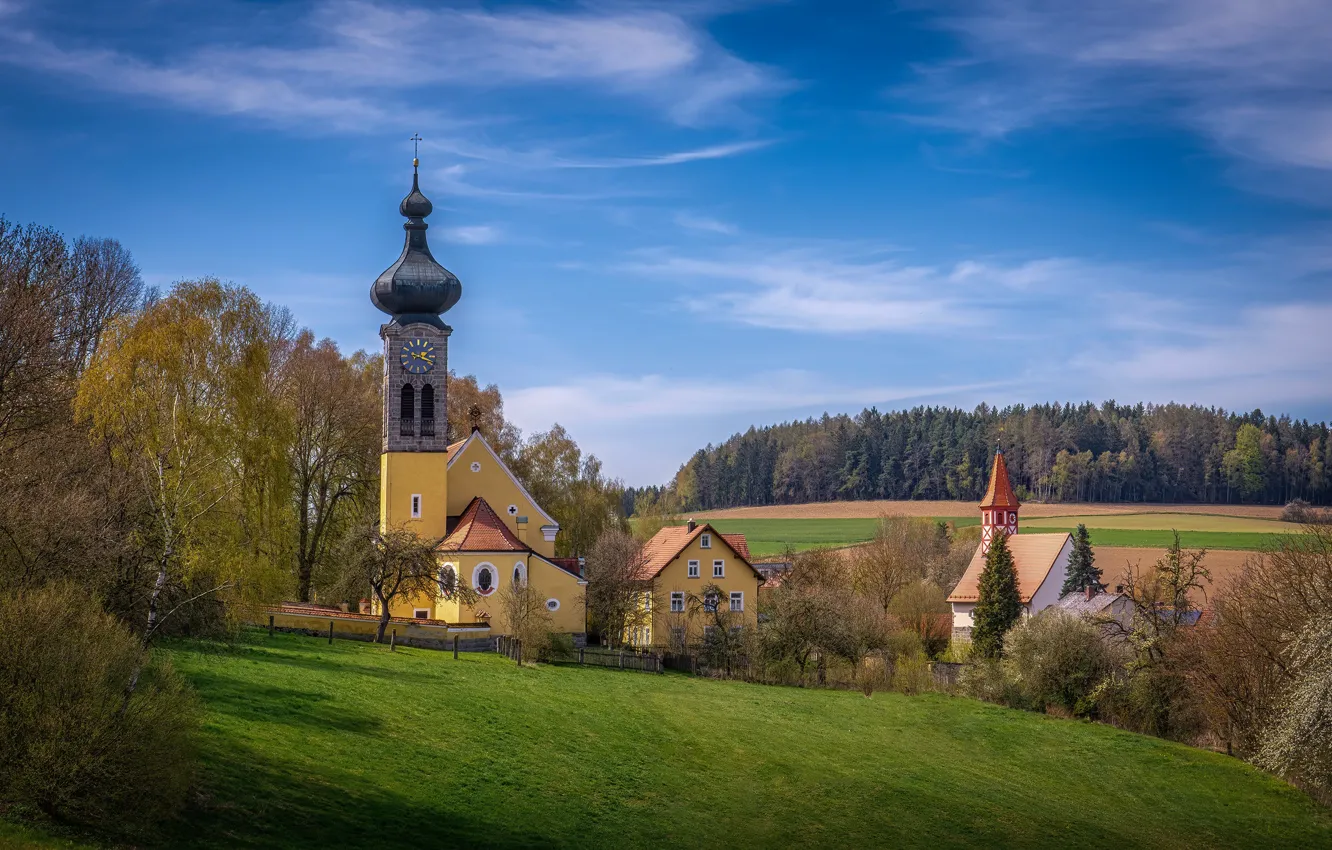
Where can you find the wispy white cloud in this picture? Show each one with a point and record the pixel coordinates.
(476, 234)
(350, 63)
(613, 398)
(835, 289)
(1278, 354)
(1247, 75)
(705, 223)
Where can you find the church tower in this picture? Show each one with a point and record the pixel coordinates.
(415, 291)
(999, 508)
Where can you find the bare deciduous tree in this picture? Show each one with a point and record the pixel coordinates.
(333, 454)
(524, 608)
(615, 584)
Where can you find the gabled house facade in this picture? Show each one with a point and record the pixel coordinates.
(680, 564)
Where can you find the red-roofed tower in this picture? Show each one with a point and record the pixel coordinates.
(999, 508)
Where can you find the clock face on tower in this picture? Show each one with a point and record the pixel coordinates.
(417, 356)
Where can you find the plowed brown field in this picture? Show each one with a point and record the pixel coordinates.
(859, 510)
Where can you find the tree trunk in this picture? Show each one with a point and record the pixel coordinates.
(153, 599)
(304, 571)
(383, 619)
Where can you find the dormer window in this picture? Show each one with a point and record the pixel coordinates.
(705, 541)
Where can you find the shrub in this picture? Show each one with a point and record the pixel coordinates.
(984, 679)
(70, 745)
(922, 607)
(1056, 660)
(911, 674)
(558, 645)
(1304, 513)
(1298, 742)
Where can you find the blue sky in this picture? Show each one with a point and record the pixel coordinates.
(675, 220)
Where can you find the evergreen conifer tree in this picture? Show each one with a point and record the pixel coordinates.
(1082, 569)
(1000, 604)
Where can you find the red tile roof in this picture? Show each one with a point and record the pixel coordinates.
(453, 449)
(667, 544)
(480, 529)
(569, 565)
(1033, 555)
(1000, 492)
(738, 543)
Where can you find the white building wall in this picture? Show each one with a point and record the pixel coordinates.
(1048, 593)
(962, 614)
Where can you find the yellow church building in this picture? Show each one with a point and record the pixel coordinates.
(491, 533)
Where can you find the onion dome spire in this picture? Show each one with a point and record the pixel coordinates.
(416, 288)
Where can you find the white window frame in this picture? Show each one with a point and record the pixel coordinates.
(694, 569)
(737, 596)
(677, 602)
(711, 602)
(521, 569)
(476, 574)
(416, 506)
(552, 605)
(705, 541)
(719, 568)
(420, 613)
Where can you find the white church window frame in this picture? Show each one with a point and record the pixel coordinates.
(476, 578)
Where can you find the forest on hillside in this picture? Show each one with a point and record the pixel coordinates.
(1055, 452)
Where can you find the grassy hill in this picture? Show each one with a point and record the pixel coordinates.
(311, 745)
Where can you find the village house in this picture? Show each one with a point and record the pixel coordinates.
(1098, 605)
(1041, 560)
(694, 578)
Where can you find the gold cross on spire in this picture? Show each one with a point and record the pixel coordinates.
(416, 148)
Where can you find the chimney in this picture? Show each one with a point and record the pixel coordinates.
(691, 525)
(521, 523)
(1119, 588)
(1091, 590)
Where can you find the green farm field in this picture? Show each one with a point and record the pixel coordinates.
(770, 537)
(307, 745)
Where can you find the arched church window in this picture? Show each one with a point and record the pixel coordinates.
(427, 402)
(408, 409)
(448, 581)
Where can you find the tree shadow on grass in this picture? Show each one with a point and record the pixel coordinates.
(250, 799)
(249, 701)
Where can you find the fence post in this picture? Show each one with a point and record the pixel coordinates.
(393, 640)
(455, 647)
(330, 632)
(580, 655)
(270, 625)
(621, 658)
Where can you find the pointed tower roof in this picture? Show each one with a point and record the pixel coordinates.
(1000, 492)
(416, 288)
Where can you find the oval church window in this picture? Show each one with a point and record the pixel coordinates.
(484, 579)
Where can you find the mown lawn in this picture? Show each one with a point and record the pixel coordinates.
(769, 537)
(308, 745)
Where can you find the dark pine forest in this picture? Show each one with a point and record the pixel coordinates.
(1055, 452)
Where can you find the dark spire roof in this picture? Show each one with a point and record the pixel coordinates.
(416, 288)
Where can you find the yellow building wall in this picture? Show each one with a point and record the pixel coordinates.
(675, 577)
(494, 484)
(549, 580)
(404, 474)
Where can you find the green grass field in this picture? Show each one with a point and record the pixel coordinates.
(307, 745)
(770, 537)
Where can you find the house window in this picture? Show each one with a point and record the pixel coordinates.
(709, 633)
(693, 569)
(737, 600)
(677, 601)
(735, 631)
(705, 541)
(677, 636)
(421, 614)
(416, 506)
(647, 601)
(719, 569)
(710, 602)
(519, 576)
